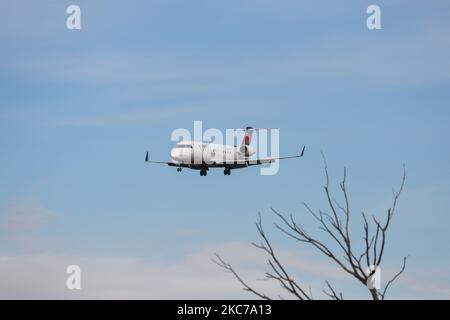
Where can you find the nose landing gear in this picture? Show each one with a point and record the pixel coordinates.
(227, 171)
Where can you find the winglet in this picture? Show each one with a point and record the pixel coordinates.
(146, 157)
(303, 151)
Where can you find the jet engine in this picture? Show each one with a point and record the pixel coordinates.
(246, 150)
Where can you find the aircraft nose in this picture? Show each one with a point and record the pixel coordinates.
(175, 154)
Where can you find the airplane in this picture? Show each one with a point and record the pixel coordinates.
(202, 156)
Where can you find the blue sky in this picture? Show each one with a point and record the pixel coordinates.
(78, 110)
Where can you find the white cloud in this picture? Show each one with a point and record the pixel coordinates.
(24, 217)
(428, 289)
(40, 276)
(21, 225)
(141, 116)
(194, 276)
(392, 59)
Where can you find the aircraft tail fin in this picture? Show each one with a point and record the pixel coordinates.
(247, 136)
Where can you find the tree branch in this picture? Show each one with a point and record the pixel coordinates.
(336, 225)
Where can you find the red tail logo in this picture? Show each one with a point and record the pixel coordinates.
(247, 136)
(247, 139)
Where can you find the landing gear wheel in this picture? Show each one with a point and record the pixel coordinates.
(203, 172)
(227, 171)
(179, 169)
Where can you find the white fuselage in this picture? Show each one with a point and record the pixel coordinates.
(194, 152)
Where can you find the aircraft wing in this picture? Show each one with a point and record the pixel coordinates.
(270, 160)
(172, 164)
(254, 162)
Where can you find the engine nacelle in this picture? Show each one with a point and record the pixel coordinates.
(246, 150)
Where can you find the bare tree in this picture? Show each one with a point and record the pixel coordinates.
(335, 224)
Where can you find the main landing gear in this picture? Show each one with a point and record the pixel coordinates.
(203, 172)
(227, 171)
(178, 169)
